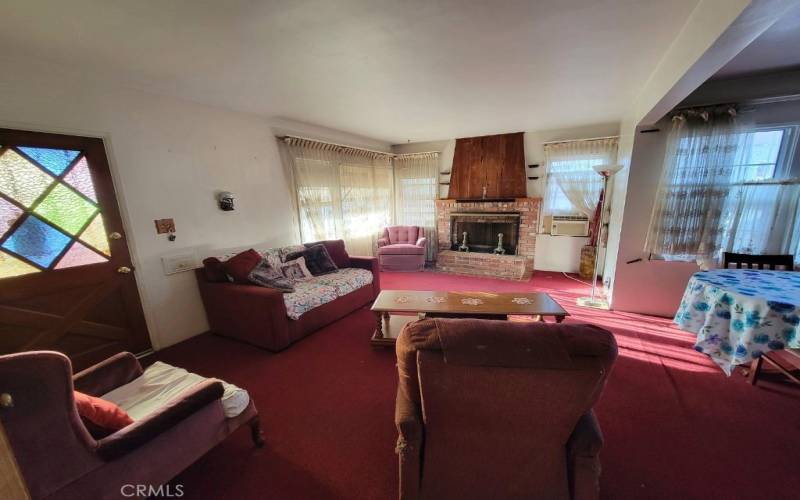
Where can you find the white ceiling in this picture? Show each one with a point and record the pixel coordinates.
(389, 69)
(778, 48)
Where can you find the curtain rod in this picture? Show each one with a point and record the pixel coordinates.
(420, 153)
(286, 137)
(779, 182)
(746, 102)
(393, 155)
(582, 140)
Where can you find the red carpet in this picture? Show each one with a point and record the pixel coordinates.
(675, 426)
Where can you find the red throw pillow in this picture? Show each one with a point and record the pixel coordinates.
(101, 413)
(213, 270)
(239, 266)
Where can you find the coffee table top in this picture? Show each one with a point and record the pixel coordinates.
(468, 302)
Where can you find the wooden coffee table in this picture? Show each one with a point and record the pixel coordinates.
(395, 308)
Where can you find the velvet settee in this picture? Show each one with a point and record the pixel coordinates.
(502, 410)
(59, 458)
(402, 248)
(264, 316)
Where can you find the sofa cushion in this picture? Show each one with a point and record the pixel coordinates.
(161, 384)
(336, 250)
(239, 266)
(318, 260)
(268, 276)
(320, 290)
(401, 249)
(403, 234)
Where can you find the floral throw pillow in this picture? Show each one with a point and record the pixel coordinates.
(296, 270)
(268, 276)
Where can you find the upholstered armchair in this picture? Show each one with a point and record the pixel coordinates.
(58, 457)
(402, 248)
(495, 409)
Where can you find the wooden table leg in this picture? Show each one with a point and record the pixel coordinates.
(559, 319)
(755, 370)
(379, 327)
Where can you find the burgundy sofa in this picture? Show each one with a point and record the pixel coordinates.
(59, 458)
(502, 410)
(257, 315)
(402, 248)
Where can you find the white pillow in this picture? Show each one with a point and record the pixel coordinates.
(296, 270)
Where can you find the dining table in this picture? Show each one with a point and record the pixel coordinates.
(741, 314)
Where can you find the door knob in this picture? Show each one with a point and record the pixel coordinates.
(124, 270)
(115, 236)
(6, 401)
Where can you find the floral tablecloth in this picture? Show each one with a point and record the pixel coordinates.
(739, 314)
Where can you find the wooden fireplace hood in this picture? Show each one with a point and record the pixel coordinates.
(490, 168)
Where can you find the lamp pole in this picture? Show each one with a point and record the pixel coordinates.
(606, 171)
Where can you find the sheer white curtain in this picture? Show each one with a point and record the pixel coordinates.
(764, 218)
(416, 187)
(703, 149)
(340, 193)
(573, 187)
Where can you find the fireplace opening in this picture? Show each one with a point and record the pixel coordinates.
(482, 232)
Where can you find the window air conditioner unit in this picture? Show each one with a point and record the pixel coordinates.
(567, 225)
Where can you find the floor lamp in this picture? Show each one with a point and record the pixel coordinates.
(606, 171)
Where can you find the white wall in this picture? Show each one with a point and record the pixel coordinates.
(654, 286)
(168, 158)
(553, 253)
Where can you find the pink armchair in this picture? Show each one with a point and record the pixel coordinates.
(402, 248)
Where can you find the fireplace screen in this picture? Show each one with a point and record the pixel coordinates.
(486, 232)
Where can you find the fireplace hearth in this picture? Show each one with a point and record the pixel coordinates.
(483, 230)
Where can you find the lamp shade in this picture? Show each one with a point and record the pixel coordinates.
(606, 170)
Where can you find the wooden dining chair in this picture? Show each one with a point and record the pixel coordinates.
(755, 367)
(749, 261)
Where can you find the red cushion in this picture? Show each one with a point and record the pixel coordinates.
(239, 266)
(101, 413)
(336, 250)
(213, 270)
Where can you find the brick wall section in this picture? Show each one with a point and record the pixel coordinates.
(515, 267)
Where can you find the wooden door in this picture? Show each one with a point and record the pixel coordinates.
(66, 279)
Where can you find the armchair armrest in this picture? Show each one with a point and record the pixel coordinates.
(583, 461)
(371, 264)
(135, 435)
(107, 375)
(410, 430)
(382, 242)
(422, 241)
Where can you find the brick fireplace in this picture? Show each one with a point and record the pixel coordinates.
(517, 219)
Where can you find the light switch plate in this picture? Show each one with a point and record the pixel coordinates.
(179, 263)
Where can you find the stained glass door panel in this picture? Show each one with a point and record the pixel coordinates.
(65, 284)
(47, 202)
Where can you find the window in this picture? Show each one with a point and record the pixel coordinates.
(578, 171)
(573, 187)
(725, 188)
